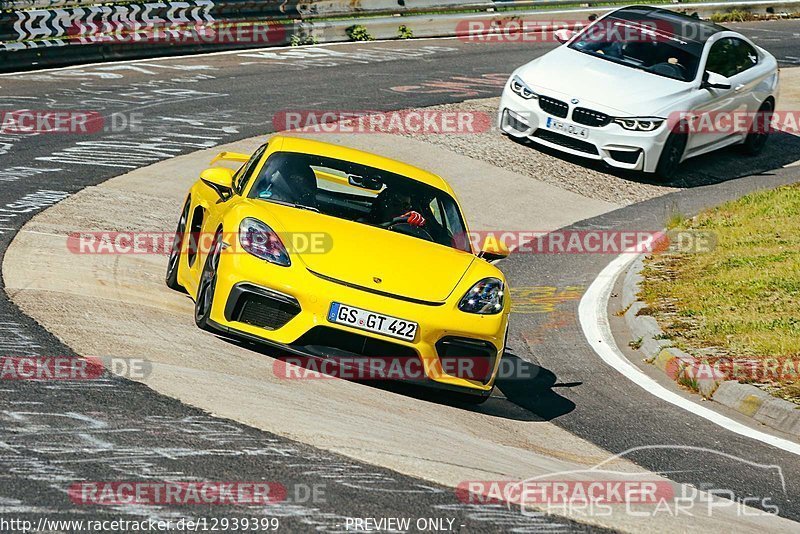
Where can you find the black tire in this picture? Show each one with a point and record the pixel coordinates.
(755, 140)
(175, 253)
(208, 285)
(671, 155)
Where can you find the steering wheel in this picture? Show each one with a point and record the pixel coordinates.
(672, 70)
(400, 225)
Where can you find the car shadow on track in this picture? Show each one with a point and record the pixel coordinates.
(718, 166)
(525, 390)
(530, 387)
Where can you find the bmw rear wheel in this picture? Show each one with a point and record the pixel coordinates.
(208, 284)
(176, 251)
(757, 138)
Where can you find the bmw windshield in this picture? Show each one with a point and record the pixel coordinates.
(642, 46)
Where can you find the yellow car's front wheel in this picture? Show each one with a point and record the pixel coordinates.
(208, 284)
(177, 250)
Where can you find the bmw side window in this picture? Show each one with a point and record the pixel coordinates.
(728, 57)
(721, 58)
(246, 172)
(748, 57)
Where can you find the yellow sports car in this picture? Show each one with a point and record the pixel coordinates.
(336, 254)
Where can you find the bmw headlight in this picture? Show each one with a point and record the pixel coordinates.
(485, 297)
(262, 242)
(522, 89)
(639, 124)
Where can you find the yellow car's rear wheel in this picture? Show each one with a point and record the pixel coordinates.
(208, 284)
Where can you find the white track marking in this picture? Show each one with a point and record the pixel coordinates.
(593, 315)
(200, 55)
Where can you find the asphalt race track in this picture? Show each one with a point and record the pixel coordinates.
(111, 429)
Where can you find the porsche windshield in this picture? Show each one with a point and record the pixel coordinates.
(641, 46)
(361, 194)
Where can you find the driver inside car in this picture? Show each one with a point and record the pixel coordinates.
(393, 206)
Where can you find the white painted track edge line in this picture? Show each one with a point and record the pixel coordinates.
(158, 59)
(593, 316)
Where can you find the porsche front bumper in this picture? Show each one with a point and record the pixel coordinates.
(298, 321)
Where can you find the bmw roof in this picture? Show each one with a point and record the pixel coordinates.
(683, 26)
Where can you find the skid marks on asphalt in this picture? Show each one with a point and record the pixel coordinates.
(47, 450)
(458, 86)
(319, 57)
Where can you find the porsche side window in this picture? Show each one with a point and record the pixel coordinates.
(340, 181)
(436, 211)
(244, 174)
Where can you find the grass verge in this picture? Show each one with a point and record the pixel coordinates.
(742, 300)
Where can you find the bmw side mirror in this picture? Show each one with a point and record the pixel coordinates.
(712, 80)
(563, 35)
(220, 179)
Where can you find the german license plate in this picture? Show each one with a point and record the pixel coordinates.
(372, 322)
(567, 128)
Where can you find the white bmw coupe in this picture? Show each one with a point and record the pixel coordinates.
(644, 89)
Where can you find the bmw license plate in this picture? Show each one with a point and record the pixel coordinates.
(567, 128)
(372, 322)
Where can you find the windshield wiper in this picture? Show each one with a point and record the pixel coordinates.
(291, 204)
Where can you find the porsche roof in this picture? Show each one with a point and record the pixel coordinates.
(319, 148)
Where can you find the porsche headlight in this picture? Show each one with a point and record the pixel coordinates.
(522, 89)
(485, 297)
(262, 242)
(639, 124)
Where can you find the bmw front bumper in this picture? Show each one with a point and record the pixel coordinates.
(620, 148)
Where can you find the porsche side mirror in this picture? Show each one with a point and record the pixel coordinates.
(712, 80)
(563, 35)
(220, 179)
(493, 250)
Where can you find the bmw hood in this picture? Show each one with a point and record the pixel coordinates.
(601, 84)
(373, 258)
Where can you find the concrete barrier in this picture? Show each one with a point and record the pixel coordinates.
(45, 33)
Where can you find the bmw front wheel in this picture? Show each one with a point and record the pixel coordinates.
(671, 156)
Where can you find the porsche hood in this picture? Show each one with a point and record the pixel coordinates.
(371, 258)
